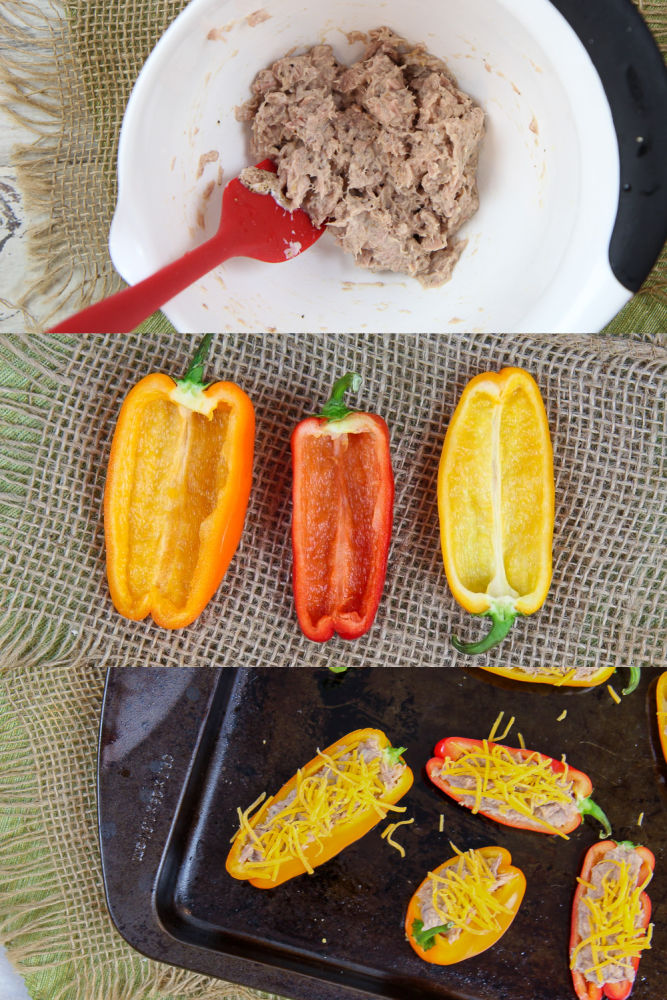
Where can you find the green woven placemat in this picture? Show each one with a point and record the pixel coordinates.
(59, 399)
(69, 75)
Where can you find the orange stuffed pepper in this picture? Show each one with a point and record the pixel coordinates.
(176, 494)
(464, 906)
(341, 794)
(661, 709)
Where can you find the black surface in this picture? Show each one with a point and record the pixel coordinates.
(181, 749)
(633, 74)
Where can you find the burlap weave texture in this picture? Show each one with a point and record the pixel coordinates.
(605, 400)
(68, 76)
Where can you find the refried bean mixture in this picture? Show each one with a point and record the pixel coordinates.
(383, 151)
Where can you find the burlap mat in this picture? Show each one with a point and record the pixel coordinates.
(68, 77)
(605, 402)
(59, 398)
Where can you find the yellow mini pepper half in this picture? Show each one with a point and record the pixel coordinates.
(496, 501)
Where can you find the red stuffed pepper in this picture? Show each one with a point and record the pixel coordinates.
(610, 920)
(514, 786)
(343, 499)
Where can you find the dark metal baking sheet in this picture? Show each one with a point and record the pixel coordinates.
(180, 750)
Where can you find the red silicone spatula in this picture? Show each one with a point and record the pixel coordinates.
(251, 225)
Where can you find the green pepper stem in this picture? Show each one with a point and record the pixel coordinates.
(426, 939)
(393, 754)
(337, 668)
(589, 808)
(335, 408)
(635, 675)
(193, 377)
(503, 618)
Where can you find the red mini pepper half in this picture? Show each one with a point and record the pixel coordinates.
(629, 899)
(494, 775)
(343, 499)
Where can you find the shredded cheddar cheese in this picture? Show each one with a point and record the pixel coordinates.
(494, 728)
(562, 715)
(640, 819)
(340, 791)
(519, 785)
(564, 678)
(614, 916)
(613, 694)
(441, 824)
(522, 742)
(463, 894)
(391, 829)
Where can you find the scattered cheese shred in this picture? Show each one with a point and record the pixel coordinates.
(508, 783)
(522, 742)
(615, 918)
(390, 830)
(507, 729)
(441, 825)
(463, 894)
(640, 819)
(343, 789)
(494, 728)
(562, 715)
(613, 694)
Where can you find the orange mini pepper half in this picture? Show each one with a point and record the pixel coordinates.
(343, 502)
(337, 798)
(661, 710)
(464, 906)
(176, 494)
(610, 919)
(496, 501)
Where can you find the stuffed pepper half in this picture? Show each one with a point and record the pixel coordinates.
(661, 710)
(334, 800)
(464, 906)
(610, 920)
(514, 786)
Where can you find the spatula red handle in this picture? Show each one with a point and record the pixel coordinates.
(122, 312)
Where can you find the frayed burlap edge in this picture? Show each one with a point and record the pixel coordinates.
(40, 86)
(46, 90)
(49, 844)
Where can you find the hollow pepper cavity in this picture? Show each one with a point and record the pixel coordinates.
(343, 497)
(496, 501)
(177, 490)
(508, 784)
(610, 920)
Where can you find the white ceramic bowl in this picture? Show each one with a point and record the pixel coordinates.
(537, 257)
